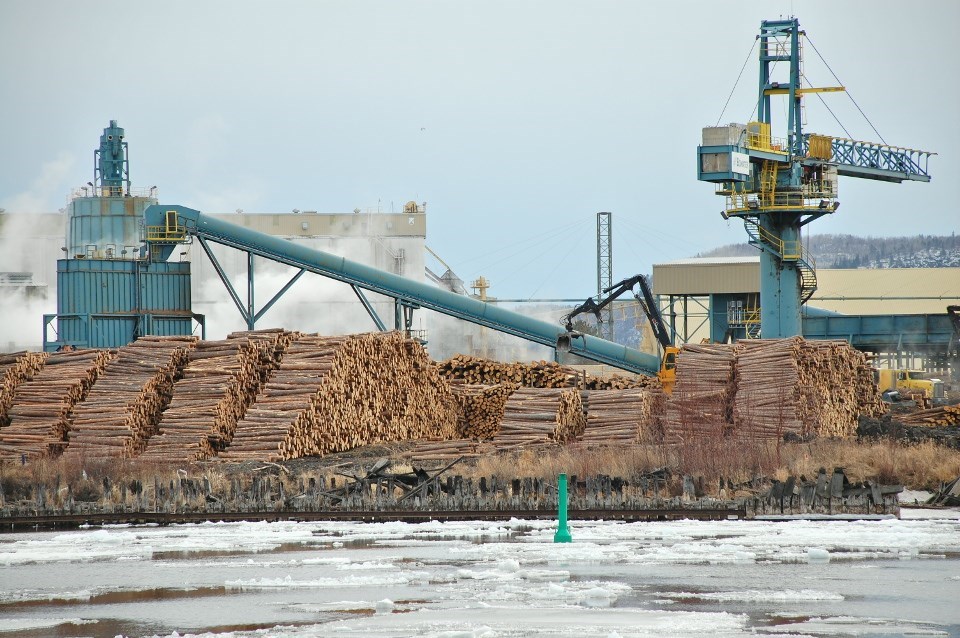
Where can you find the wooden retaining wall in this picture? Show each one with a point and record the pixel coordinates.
(259, 493)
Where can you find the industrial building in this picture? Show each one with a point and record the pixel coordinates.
(897, 313)
(130, 267)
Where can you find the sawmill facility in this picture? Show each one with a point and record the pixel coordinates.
(188, 302)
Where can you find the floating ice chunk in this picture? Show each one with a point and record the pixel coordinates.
(763, 596)
(545, 575)
(365, 566)
(817, 555)
(597, 597)
(509, 565)
(385, 606)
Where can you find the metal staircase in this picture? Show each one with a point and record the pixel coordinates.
(786, 251)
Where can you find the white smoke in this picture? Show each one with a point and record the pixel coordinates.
(46, 189)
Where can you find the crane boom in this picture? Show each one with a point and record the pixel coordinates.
(644, 298)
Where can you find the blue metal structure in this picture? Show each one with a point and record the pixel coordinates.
(108, 291)
(930, 333)
(111, 162)
(777, 186)
(169, 226)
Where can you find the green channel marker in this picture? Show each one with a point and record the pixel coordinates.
(563, 532)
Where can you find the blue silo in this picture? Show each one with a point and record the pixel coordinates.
(109, 289)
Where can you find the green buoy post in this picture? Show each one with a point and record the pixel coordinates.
(563, 531)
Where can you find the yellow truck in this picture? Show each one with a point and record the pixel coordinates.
(905, 381)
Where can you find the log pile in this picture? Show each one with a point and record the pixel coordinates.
(540, 415)
(620, 382)
(802, 388)
(538, 374)
(332, 394)
(219, 383)
(480, 408)
(122, 410)
(945, 416)
(702, 399)
(616, 417)
(39, 416)
(16, 368)
(443, 451)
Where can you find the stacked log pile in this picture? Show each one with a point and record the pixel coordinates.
(480, 408)
(16, 368)
(623, 416)
(620, 382)
(945, 416)
(219, 383)
(540, 415)
(39, 416)
(538, 374)
(122, 410)
(802, 388)
(445, 451)
(702, 399)
(336, 393)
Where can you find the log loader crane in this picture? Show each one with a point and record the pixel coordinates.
(668, 364)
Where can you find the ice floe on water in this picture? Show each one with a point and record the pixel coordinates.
(493, 579)
(755, 595)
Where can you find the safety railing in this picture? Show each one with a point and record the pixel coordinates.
(171, 232)
(815, 199)
(758, 138)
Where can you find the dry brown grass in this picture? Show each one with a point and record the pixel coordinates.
(922, 466)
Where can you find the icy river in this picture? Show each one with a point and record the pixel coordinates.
(732, 578)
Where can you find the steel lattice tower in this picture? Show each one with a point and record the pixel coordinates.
(605, 268)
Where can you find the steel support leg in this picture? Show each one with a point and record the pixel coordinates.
(277, 296)
(223, 277)
(251, 319)
(369, 307)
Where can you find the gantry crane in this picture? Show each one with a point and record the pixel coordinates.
(777, 186)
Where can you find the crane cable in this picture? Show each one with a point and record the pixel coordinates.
(847, 92)
(827, 106)
(727, 103)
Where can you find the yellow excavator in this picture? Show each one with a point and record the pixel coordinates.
(668, 365)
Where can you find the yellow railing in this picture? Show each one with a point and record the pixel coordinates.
(759, 138)
(752, 201)
(171, 231)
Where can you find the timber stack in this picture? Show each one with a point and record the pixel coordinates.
(538, 374)
(702, 401)
(620, 382)
(290, 392)
(219, 383)
(802, 388)
(40, 414)
(534, 416)
(945, 416)
(332, 394)
(122, 410)
(623, 416)
(480, 408)
(16, 368)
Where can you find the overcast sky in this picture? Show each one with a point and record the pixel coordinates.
(515, 121)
